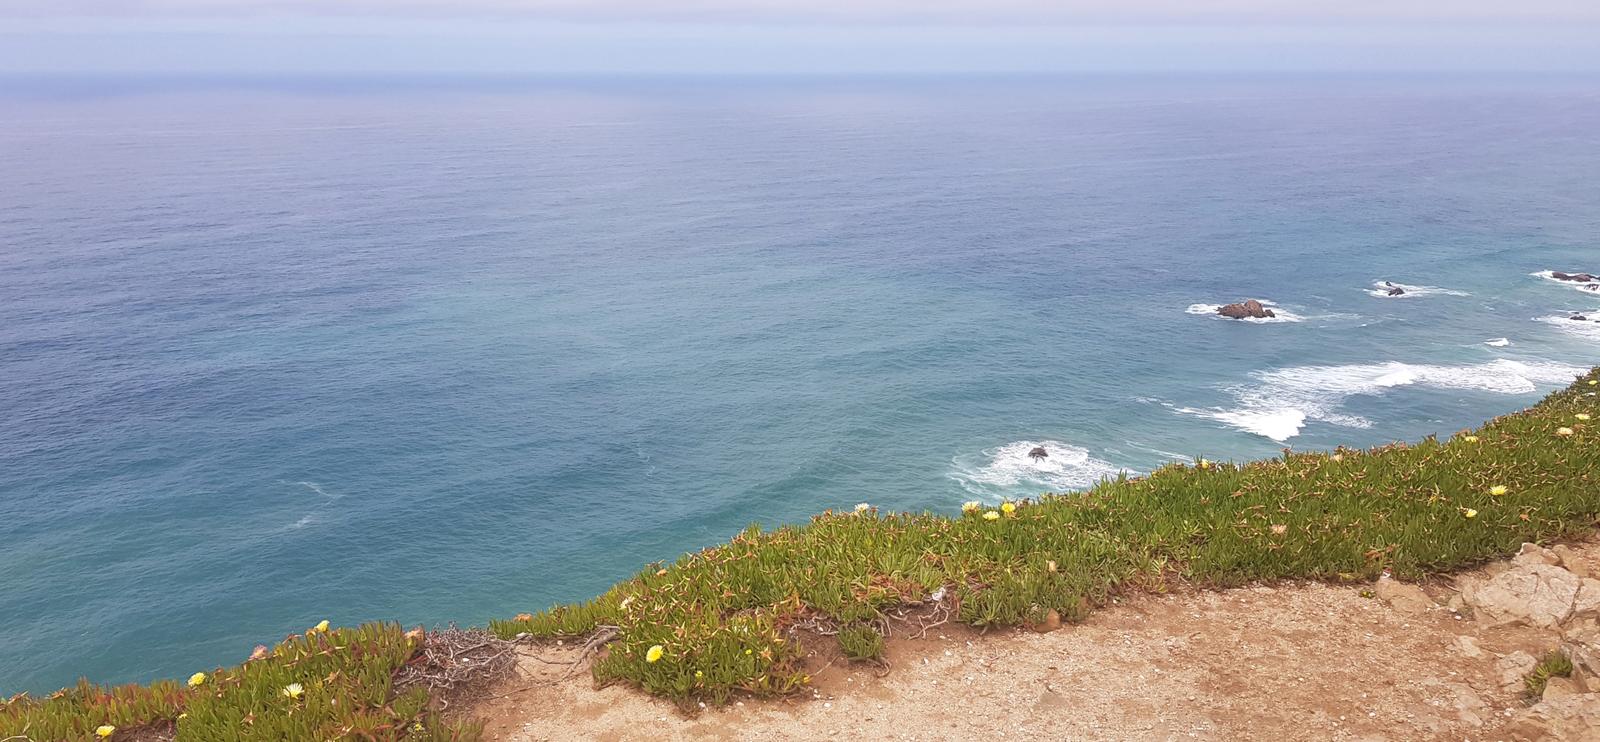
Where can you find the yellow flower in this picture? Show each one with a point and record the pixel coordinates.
(105, 731)
(747, 652)
(1338, 457)
(1470, 513)
(293, 691)
(1582, 416)
(971, 506)
(1204, 464)
(654, 653)
(1470, 438)
(1563, 431)
(991, 515)
(320, 627)
(1498, 490)
(698, 674)
(196, 680)
(1050, 565)
(1592, 382)
(1008, 507)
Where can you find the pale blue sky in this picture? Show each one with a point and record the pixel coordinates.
(790, 36)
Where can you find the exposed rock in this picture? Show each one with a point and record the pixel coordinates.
(1578, 318)
(1533, 592)
(1575, 277)
(1038, 452)
(1513, 667)
(1571, 718)
(1559, 687)
(1535, 554)
(1250, 309)
(1581, 642)
(1575, 561)
(1468, 647)
(1403, 596)
(1397, 291)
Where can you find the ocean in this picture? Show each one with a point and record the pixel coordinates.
(433, 352)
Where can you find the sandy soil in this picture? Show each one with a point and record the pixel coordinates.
(1278, 663)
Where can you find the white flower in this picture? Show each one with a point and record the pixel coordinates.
(863, 507)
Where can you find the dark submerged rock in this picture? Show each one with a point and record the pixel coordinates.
(1038, 452)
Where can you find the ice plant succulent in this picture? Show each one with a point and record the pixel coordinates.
(196, 680)
(1583, 416)
(1469, 512)
(991, 515)
(1008, 507)
(971, 506)
(1498, 490)
(863, 507)
(1470, 438)
(293, 691)
(104, 731)
(1563, 432)
(653, 654)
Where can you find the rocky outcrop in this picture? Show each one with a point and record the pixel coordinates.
(1550, 590)
(1038, 453)
(1575, 277)
(1250, 309)
(1397, 291)
(1535, 591)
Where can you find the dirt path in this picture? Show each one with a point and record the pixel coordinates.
(1285, 663)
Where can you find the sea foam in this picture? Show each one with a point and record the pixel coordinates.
(1588, 329)
(998, 472)
(1380, 289)
(1280, 402)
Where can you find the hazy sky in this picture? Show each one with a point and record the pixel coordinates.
(792, 36)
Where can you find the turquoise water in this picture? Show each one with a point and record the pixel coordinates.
(278, 354)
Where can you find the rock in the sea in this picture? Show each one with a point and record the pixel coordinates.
(1038, 452)
(1397, 291)
(1250, 309)
(1575, 277)
(1578, 318)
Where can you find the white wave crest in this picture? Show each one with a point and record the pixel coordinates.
(1550, 276)
(1588, 328)
(1282, 401)
(1005, 470)
(1380, 289)
(1283, 314)
(1498, 342)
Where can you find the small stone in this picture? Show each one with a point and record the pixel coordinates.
(1403, 596)
(1051, 622)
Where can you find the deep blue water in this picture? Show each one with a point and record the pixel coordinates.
(270, 355)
